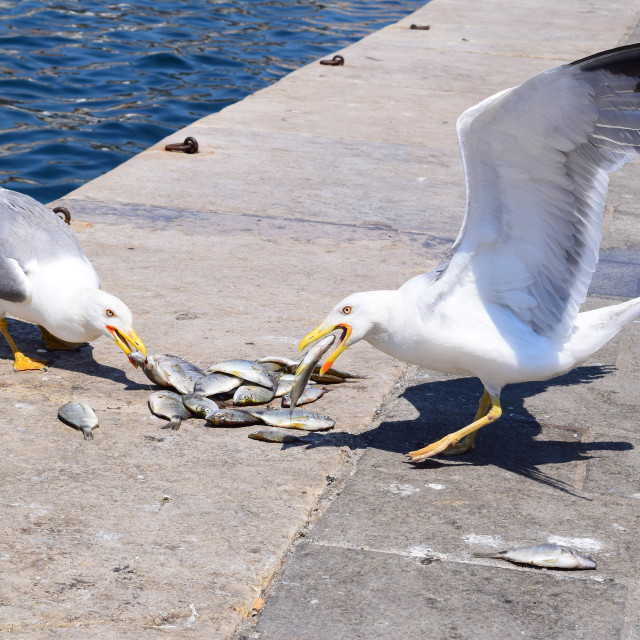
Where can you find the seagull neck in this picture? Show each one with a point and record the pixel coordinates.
(71, 321)
(389, 320)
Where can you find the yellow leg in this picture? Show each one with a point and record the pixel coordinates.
(21, 362)
(55, 344)
(467, 443)
(454, 438)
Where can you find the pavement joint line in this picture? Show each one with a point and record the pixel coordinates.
(631, 612)
(472, 560)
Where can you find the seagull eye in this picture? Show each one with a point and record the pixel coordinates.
(346, 310)
(109, 313)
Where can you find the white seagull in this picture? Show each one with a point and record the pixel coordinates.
(503, 306)
(46, 278)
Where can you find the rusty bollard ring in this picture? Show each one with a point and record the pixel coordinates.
(336, 61)
(423, 27)
(190, 145)
(66, 216)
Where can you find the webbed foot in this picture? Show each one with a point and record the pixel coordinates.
(462, 440)
(23, 363)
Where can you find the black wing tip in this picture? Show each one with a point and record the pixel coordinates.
(623, 60)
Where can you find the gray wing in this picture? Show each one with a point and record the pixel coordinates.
(31, 237)
(537, 160)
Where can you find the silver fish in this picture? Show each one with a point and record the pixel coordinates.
(336, 373)
(245, 369)
(329, 378)
(309, 394)
(167, 404)
(214, 384)
(287, 364)
(274, 434)
(168, 371)
(79, 416)
(546, 555)
(198, 405)
(272, 366)
(290, 365)
(285, 382)
(231, 418)
(306, 367)
(293, 419)
(249, 394)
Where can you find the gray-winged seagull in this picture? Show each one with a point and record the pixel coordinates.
(46, 278)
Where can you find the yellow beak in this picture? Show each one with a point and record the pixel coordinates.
(127, 341)
(321, 331)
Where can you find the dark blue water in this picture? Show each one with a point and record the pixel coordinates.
(84, 85)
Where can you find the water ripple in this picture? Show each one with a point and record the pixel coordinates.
(85, 85)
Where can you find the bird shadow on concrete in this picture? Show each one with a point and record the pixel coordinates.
(29, 341)
(510, 444)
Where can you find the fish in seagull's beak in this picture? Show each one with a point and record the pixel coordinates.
(323, 330)
(128, 342)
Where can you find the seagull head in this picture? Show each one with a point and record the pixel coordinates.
(357, 316)
(110, 316)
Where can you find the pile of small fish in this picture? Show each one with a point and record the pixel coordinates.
(243, 383)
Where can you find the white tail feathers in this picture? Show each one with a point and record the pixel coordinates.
(593, 329)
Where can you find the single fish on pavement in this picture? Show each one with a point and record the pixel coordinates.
(274, 434)
(545, 555)
(79, 416)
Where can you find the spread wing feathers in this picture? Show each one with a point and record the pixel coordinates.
(537, 159)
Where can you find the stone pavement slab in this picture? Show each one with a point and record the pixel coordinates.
(368, 595)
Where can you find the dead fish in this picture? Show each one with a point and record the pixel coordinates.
(214, 384)
(336, 373)
(245, 369)
(167, 404)
(328, 378)
(249, 394)
(309, 394)
(287, 364)
(274, 434)
(79, 416)
(198, 405)
(293, 419)
(168, 371)
(306, 367)
(272, 366)
(546, 555)
(285, 382)
(231, 418)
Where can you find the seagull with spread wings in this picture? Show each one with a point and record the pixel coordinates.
(504, 305)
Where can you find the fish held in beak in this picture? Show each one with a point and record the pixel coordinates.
(128, 342)
(320, 332)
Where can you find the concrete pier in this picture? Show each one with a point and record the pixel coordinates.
(333, 180)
